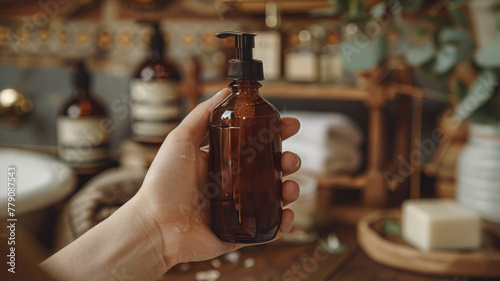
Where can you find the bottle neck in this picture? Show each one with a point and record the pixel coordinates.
(155, 55)
(245, 88)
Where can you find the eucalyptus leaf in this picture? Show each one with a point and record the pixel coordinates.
(480, 92)
(378, 10)
(446, 58)
(392, 227)
(362, 53)
(461, 39)
(489, 57)
(418, 55)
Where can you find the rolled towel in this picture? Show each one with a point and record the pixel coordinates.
(336, 158)
(322, 128)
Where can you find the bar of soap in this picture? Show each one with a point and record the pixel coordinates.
(436, 224)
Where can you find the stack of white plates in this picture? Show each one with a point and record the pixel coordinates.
(478, 178)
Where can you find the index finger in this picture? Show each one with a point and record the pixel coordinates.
(289, 127)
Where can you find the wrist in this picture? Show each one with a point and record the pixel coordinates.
(151, 234)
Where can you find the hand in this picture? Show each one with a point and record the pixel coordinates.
(167, 221)
(172, 191)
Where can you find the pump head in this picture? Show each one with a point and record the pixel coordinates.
(81, 78)
(243, 67)
(157, 42)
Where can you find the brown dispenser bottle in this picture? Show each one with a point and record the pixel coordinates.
(83, 127)
(245, 154)
(155, 100)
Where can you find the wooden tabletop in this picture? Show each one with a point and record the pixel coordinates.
(289, 262)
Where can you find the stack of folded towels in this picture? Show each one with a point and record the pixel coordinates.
(327, 143)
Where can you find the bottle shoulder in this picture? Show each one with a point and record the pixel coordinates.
(238, 111)
(164, 69)
(83, 107)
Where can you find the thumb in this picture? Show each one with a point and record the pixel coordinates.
(195, 126)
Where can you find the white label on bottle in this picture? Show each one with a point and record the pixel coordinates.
(154, 112)
(153, 108)
(153, 129)
(268, 49)
(301, 67)
(82, 140)
(153, 91)
(331, 69)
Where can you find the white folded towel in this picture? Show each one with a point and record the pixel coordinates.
(332, 158)
(327, 143)
(321, 128)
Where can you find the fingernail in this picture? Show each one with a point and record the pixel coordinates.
(222, 91)
(297, 165)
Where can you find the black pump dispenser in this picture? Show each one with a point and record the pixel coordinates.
(243, 67)
(81, 77)
(157, 42)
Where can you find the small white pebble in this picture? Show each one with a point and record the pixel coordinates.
(249, 263)
(216, 263)
(233, 257)
(333, 242)
(184, 267)
(209, 275)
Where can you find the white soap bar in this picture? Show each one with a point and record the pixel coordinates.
(436, 224)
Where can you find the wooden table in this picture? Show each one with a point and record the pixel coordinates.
(287, 262)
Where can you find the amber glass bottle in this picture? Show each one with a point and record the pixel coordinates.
(155, 101)
(245, 153)
(83, 127)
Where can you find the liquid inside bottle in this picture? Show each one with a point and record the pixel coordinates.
(245, 167)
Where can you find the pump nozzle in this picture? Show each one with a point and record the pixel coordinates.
(243, 67)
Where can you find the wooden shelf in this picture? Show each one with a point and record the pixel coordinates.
(342, 181)
(300, 91)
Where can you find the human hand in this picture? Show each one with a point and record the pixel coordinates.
(172, 192)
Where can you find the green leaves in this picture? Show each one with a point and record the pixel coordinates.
(440, 55)
(419, 55)
(391, 227)
(461, 39)
(489, 56)
(446, 58)
(362, 52)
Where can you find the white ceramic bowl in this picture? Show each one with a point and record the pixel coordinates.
(40, 181)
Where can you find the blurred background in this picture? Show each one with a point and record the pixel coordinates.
(397, 100)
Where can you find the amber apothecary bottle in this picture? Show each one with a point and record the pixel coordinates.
(245, 152)
(83, 127)
(155, 101)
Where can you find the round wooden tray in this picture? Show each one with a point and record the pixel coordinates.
(393, 251)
